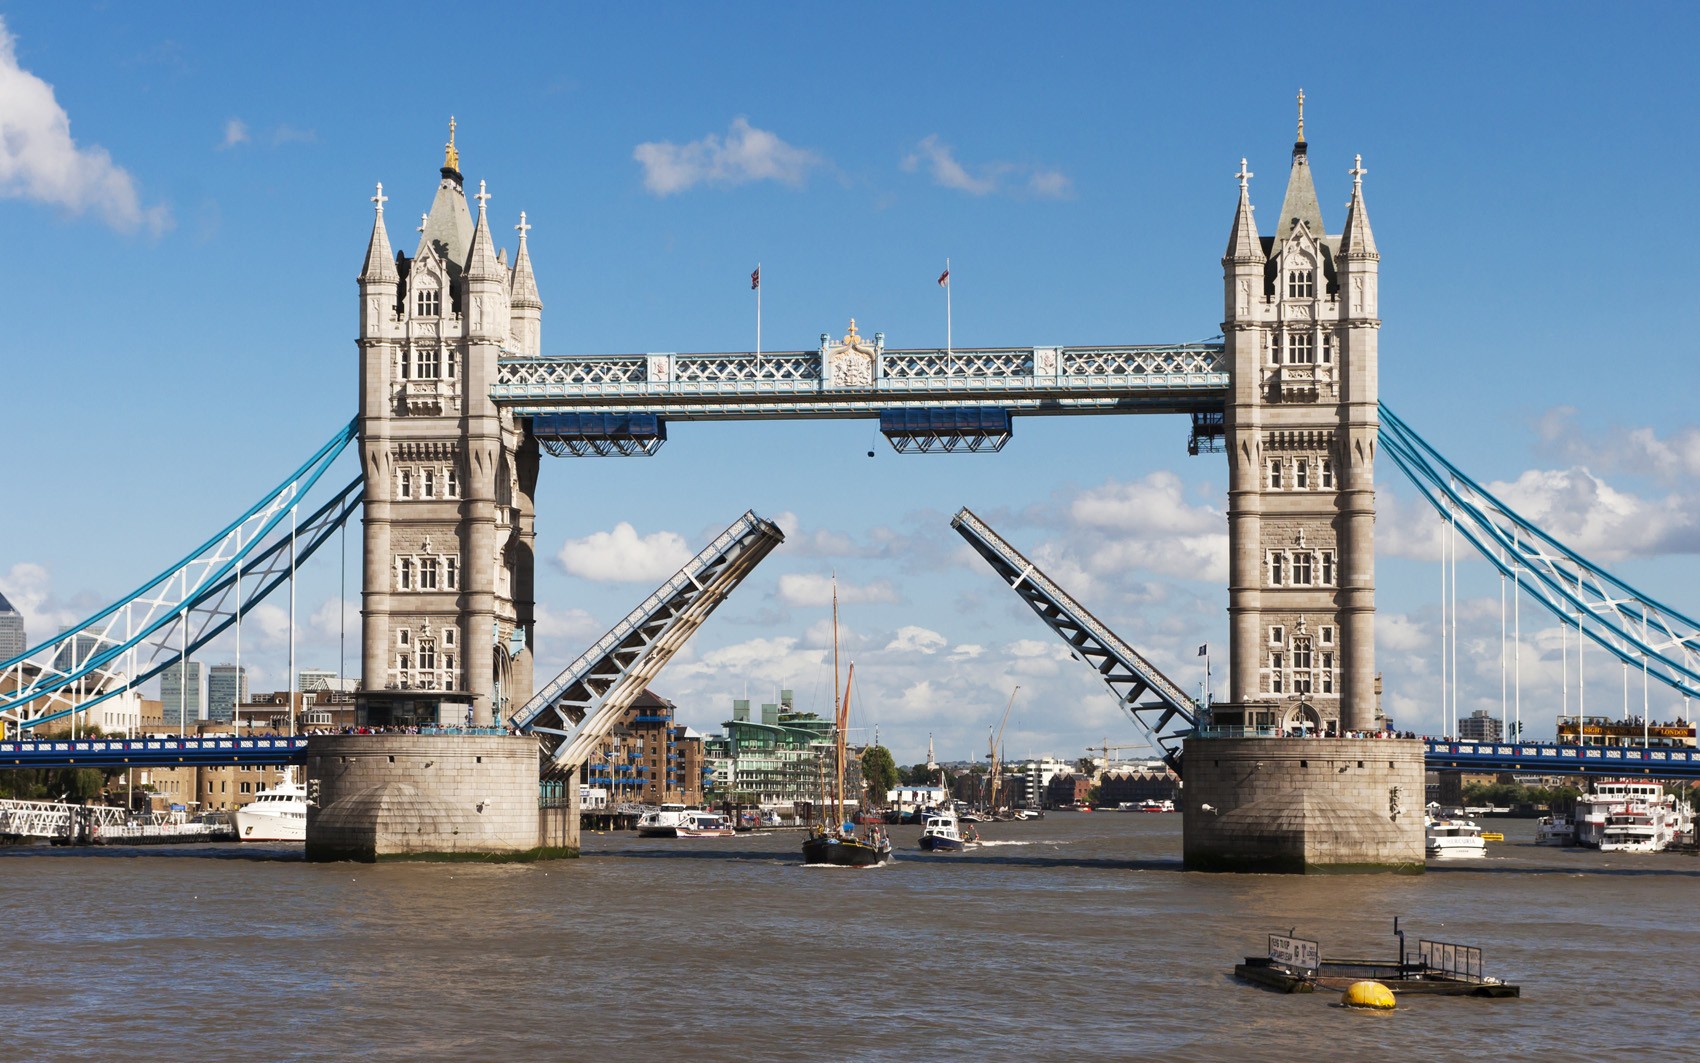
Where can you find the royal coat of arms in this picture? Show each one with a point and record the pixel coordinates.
(850, 363)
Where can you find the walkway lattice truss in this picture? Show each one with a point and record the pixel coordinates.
(1129, 676)
(575, 711)
(1638, 630)
(187, 605)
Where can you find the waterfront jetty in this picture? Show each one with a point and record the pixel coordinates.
(1436, 968)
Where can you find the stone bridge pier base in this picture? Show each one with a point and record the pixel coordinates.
(1303, 805)
(432, 797)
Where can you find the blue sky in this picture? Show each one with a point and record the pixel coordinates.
(181, 305)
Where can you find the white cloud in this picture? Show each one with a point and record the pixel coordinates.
(235, 132)
(813, 589)
(911, 639)
(288, 134)
(984, 179)
(1155, 504)
(1597, 520)
(622, 556)
(39, 161)
(745, 154)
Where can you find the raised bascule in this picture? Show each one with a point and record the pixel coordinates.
(458, 402)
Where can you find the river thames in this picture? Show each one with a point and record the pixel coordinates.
(1077, 935)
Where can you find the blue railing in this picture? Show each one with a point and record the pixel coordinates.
(1555, 759)
(151, 752)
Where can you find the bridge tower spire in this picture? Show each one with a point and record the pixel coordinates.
(1300, 337)
(450, 521)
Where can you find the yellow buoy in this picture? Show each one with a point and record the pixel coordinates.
(1368, 995)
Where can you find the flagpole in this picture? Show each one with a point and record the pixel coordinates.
(947, 343)
(758, 311)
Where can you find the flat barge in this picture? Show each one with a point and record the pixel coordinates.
(1436, 968)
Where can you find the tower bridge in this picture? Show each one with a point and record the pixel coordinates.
(458, 401)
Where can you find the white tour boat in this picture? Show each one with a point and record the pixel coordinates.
(1555, 830)
(1450, 838)
(663, 822)
(704, 825)
(1624, 816)
(275, 815)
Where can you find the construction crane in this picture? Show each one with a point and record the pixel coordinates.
(1107, 749)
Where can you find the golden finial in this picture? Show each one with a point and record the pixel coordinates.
(1301, 114)
(850, 339)
(451, 157)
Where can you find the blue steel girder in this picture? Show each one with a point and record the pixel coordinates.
(1176, 378)
(137, 637)
(574, 711)
(1637, 629)
(1129, 676)
(1547, 758)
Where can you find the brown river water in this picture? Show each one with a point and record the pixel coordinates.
(1077, 936)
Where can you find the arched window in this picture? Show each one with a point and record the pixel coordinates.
(428, 302)
(406, 574)
(1301, 284)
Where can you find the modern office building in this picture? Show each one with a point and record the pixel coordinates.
(778, 763)
(227, 687)
(182, 694)
(310, 679)
(13, 641)
(1479, 726)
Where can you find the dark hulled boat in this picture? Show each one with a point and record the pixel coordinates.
(843, 851)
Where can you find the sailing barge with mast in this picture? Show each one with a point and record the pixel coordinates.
(832, 843)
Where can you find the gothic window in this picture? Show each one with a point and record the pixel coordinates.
(429, 483)
(449, 632)
(1276, 634)
(406, 364)
(1327, 348)
(427, 655)
(1327, 634)
(1301, 568)
(427, 363)
(1328, 673)
(1327, 474)
(406, 573)
(428, 302)
(1301, 666)
(1275, 665)
(404, 488)
(1301, 284)
(401, 636)
(1328, 568)
(404, 663)
(1301, 474)
(427, 573)
(451, 488)
(1275, 474)
(1274, 350)
(449, 667)
(1301, 348)
(449, 357)
(450, 578)
(1277, 568)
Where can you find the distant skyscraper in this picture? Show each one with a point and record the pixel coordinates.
(1479, 726)
(311, 679)
(180, 694)
(227, 687)
(13, 641)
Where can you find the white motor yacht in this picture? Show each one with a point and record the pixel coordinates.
(275, 815)
(1452, 837)
(1555, 830)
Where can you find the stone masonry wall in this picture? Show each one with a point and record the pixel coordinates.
(377, 797)
(1303, 804)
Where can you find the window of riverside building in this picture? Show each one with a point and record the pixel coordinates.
(1301, 283)
(1301, 349)
(429, 302)
(427, 573)
(1301, 568)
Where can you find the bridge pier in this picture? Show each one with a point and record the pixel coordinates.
(1303, 805)
(432, 797)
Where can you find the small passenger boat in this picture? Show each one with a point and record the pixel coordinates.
(1453, 837)
(940, 834)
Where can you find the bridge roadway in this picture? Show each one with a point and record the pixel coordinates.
(218, 750)
(1543, 758)
(156, 752)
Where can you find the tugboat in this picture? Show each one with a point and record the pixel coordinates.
(940, 834)
(838, 844)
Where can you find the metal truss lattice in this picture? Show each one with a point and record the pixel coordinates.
(574, 712)
(1635, 628)
(1130, 677)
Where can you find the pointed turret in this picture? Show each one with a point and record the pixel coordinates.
(1357, 241)
(481, 259)
(448, 226)
(380, 266)
(524, 286)
(1243, 242)
(1300, 203)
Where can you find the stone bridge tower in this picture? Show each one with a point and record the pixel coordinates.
(1300, 333)
(449, 516)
